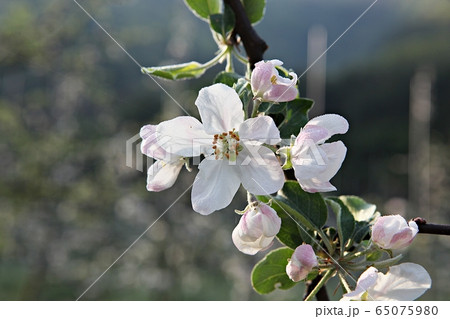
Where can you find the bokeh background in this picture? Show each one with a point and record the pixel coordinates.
(70, 99)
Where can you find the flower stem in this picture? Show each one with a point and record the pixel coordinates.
(380, 264)
(240, 57)
(256, 104)
(330, 273)
(344, 282)
(327, 243)
(229, 67)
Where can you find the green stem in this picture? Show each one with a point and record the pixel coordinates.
(215, 60)
(229, 67)
(380, 264)
(239, 56)
(327, 243)
(256, 104)
(358, 254)
(323, 281)
(344, 282)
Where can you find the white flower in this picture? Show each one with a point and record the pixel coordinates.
(404, 282)
(233, 149)
(315, 163)
(268, 85)
(302, 262)
(256, 229)
(393, 232)
(164, 171)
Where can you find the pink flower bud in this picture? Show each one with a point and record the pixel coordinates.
(392, 232)
(302, 262)
(257, 228)
(268, 85)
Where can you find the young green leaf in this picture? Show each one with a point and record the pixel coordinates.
(345, 220)
(228, 78)
(270, 273)
(254, 9)
(204, 8)
(272, 108)
(296, 116)
(223, 23)
(308, 209)
(178, 71)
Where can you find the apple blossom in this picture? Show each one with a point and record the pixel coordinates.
(404, 282)
(393, 232)
(233, 149)
(268, 85)
(164, 171)
(302, 262)
(256, 229)
(314, 172)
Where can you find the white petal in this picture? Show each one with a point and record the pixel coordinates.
(149, 145)
(161, 175)
(404, 282)
(262, 129)
(335, 124)
(367, 279)
(335, 153)
(220, 108)
(215, 185)
(184, 136)
(260, 171)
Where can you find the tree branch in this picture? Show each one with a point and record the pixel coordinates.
(253, 44)
(425, 228)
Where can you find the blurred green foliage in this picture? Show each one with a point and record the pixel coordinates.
(70, 98)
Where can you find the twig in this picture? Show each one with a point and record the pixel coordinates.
(435, 229)
(253, 44)
(321, 295)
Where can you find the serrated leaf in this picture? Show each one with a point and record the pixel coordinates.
(308, 209)
(228, 78)
(360, 209)
(223, 23)
(270, 273)
(344, 218)
(178, 71)
(254, 9)
(296, 116)
(203, 8)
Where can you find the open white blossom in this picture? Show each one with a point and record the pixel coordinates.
(404, 282)
(314, 161)
(233, 149)
(164, 171)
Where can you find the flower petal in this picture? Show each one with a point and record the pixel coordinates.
(404, 282)
(149, 145)
(161, 175)
(335, 153)
(335, 124)
(367, 279)
(220, 108)
(215, 185)
(184, 136)
(262, 129)
(260, 171)
(283, 90)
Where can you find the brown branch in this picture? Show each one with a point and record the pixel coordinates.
(253, 44)
(435, 229)
(321, 295)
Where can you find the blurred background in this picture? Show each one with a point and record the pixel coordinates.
(70, 98)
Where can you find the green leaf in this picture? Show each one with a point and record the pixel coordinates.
(374, 256)
(178, 71)
(272, 108)
(228, 78)
(223, 23)
(308, 209)
(270, 273)
(204, 8)
(289, 233)
(363, 213)
(345, 220)
(254, 9)
(296, 117)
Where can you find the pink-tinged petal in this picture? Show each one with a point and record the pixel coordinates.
(184, 136)
(220, 108)
(281, 93)
(309, 135)
(335, 124)
(260, 170)
(404, 282)
(262, 129)
(271, 223)
(261, 78)
(161, 175)
(215, 185)
(149, 145)
(308, 159)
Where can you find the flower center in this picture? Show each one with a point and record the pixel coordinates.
(226, 145)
